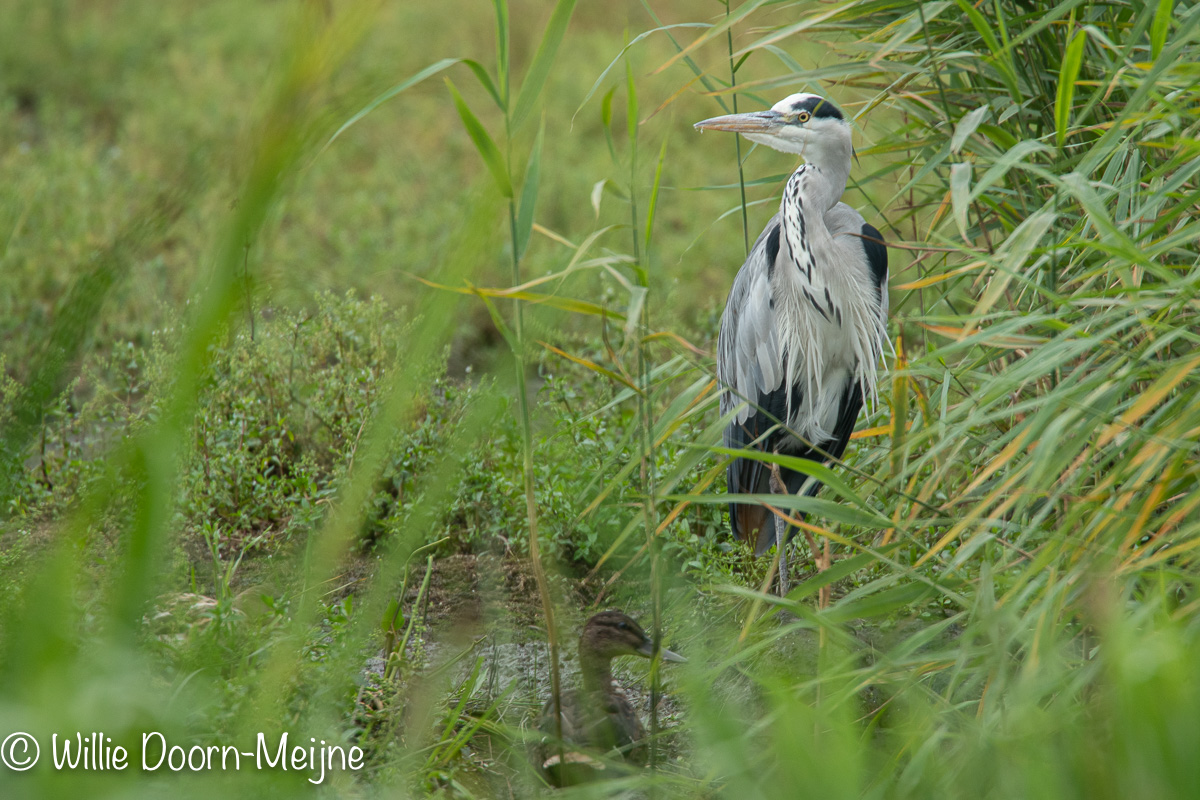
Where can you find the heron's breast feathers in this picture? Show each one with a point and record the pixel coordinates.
(828, 321)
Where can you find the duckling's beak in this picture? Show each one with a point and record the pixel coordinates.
(647, 650)
(667, 655)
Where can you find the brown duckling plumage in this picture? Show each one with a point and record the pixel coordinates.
(598, 717)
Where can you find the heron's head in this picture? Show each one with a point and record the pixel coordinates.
(805, 124)
(610, 634)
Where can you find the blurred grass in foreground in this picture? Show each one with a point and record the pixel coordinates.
(218, 510)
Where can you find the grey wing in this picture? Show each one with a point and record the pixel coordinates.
(865, 241)
(749, 360)
(750, 370)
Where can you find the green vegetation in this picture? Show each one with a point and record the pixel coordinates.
(354, 352)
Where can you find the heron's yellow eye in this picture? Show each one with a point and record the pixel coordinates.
(803, 116)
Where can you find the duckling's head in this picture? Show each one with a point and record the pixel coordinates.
(611, 633)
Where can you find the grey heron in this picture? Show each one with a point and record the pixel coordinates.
(804, 326)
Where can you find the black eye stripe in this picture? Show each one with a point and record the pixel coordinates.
(817, 107)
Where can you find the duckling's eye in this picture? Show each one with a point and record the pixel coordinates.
(623, 626)
(803, 116)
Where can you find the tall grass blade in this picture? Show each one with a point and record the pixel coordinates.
(1161, 26)
(543, 61)
(502, 47)
(1067, 76)
(529, 193)
(492, 158)
(382, 98)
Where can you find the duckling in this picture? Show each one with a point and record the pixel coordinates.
(598, 717)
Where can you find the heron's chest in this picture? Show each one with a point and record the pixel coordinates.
(812, 322)
(822, 350)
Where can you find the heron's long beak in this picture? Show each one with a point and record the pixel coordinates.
(754, 122)
(647, 650)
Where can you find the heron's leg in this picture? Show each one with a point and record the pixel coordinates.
(825, 563)
(781, 543)
(779, 487)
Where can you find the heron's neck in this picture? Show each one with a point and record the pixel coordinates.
(825, 183)
(807, 198)
(809, 195)
(831, 156)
